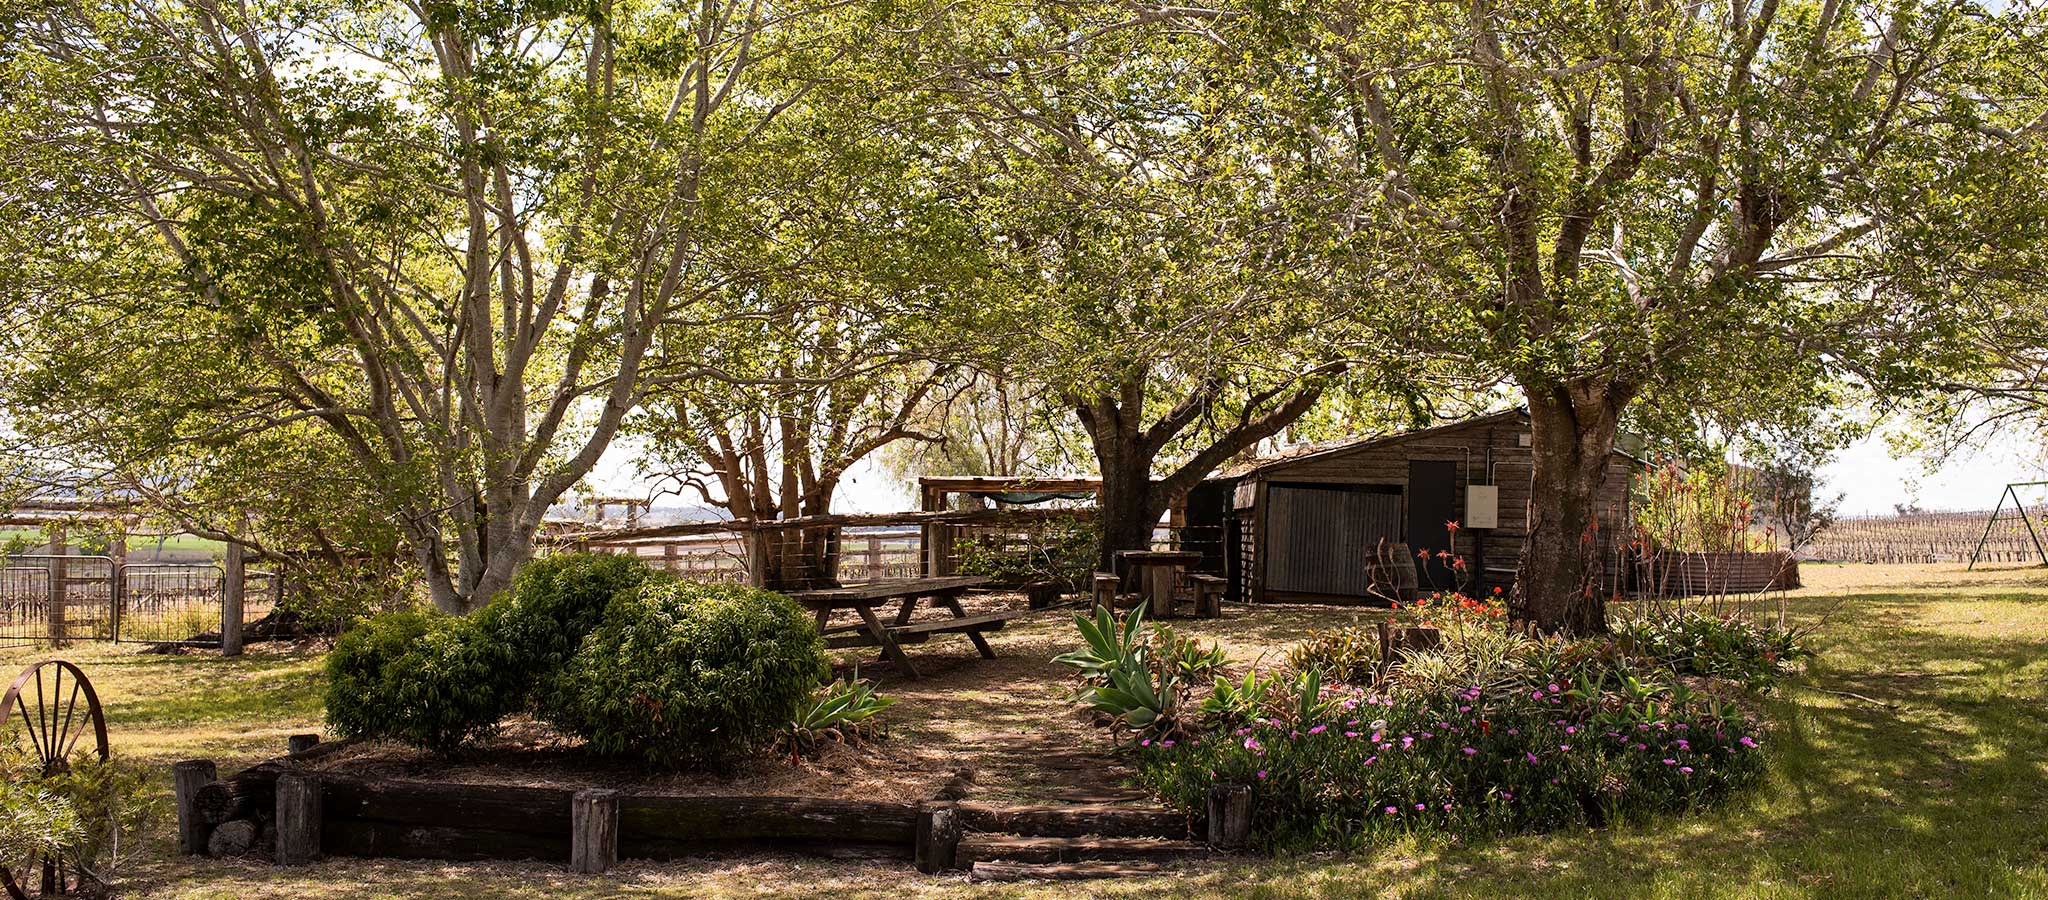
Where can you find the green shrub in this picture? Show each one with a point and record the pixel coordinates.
(689, 673)
(553, 603)
(421, 678)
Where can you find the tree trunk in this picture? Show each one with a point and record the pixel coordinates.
(1571, 439)
(1130, 509)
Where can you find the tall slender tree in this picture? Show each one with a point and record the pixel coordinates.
(446, 233)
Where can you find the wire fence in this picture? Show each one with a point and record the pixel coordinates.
(58, 600)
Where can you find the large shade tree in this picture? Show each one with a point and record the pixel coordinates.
(1159, 289)
(1680, 213)
(447, 234)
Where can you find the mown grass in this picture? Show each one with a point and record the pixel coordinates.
(1910, 760)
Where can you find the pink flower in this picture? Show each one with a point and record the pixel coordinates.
(1469, 751)
(1421, 806)
(1686, 769)
(1319, 729)
(1392, 811)
(1262, 774)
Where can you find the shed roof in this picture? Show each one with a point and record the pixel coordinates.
(1325, 450)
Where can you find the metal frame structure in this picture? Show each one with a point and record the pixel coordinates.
(2011, 493)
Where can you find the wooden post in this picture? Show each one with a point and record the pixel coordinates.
(54, 612)
(1105, 591)
(757, 557)
(594, 831)
(300, 743)
(233, 574)
(298, 818)
(1158, 580)
(668, 558)
(186, 779)
(938, 837)
(1230, 815)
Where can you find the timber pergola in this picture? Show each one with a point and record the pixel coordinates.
(936, 492)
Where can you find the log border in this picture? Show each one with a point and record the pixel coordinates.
(325, 813)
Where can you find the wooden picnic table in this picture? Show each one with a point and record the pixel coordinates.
(1157, 573)
(866, 599)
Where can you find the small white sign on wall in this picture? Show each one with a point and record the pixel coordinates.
(1482, 506)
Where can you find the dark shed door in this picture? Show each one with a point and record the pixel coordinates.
(1321, 539)
(1207, 507)
(1432, 502)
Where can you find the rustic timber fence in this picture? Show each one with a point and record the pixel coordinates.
(292, 812)
(865, 547)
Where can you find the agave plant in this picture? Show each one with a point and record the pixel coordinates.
(1110, 645)
(843, 711)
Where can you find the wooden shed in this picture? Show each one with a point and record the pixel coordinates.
(1321, 524)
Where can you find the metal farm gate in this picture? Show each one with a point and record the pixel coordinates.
(61, 599)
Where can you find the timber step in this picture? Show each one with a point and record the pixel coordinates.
(979, 848)
(1074, 820)
(1005, 871)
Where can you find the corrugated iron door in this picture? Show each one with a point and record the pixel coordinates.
(1322, 538)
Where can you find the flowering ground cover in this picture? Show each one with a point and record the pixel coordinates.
(1905, 761)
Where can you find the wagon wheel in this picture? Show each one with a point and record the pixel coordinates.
(50, 719)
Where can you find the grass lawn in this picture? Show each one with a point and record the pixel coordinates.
(1910, 760)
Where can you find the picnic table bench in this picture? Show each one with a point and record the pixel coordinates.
(866, 599)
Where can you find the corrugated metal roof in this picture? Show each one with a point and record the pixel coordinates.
(1324, 450)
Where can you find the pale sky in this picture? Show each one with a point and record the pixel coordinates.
(1871, 481)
